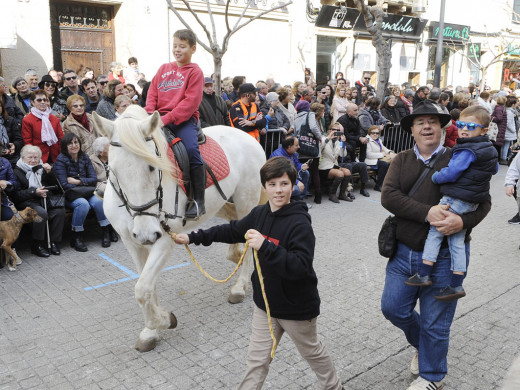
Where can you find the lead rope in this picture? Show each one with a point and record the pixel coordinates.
(260, 277)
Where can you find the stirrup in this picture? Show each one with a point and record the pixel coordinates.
(198, 214)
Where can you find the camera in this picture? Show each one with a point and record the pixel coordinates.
(51, 188)
(338, 133)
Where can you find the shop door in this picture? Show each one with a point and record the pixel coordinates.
(82, 37)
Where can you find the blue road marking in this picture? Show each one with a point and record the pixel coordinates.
(131, 274)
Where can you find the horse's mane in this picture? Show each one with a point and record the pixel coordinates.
(132, 138)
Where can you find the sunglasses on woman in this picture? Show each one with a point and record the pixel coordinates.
(469, 125)
(374, 132)
(53, 85)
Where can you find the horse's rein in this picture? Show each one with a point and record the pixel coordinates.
(240, 261)
(141, 209)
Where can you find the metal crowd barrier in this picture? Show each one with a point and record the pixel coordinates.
(271, 141)
(397, 139)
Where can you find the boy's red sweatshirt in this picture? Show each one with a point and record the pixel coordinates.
(176, 93)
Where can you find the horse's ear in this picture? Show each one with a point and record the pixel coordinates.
(104, 126)
(149, 124)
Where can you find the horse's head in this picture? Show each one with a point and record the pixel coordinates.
(138, 167)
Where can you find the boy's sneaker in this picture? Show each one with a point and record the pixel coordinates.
(449, 293)
(424, 384)
(414, 365)
(515, 220)
(419, 281)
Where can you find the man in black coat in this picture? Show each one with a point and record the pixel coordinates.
(420, 95)
(353, 132)
(212, 109)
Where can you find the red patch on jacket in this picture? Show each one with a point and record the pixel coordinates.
(271, 239)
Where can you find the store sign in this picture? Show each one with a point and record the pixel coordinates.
(336, 17)
(396, 25)
(513, 50)
(455, 33)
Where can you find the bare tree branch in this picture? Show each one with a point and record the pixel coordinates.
(171, 6)
(203, 25)
(262, 14)
(241, 15)
(210, 12)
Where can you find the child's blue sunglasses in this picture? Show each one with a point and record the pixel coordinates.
(470, 126)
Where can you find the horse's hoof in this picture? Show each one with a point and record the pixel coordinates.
(173, 321)
(236, 298)
(145, 346)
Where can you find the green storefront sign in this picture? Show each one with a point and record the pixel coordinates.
(455, 33)
(474, 51)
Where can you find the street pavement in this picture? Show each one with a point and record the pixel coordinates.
(71, 321)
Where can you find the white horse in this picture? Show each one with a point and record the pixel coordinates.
(143, 179)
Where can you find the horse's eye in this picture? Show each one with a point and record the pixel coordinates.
(151, 168)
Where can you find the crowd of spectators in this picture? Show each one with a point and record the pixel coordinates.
(48, 136)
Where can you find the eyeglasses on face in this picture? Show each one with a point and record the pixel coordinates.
(103, 82)
(71, 78)
(41, 100)
(367, 78)
(47, 84)
(469, 125)
(374, 132)
(78, 105)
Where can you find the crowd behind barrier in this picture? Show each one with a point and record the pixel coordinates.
(40, 110)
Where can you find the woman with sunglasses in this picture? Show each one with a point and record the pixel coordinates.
(80, 123)
(57, 104)
(378, 156)
(42, 129)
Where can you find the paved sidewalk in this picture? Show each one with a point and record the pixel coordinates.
(71, 321)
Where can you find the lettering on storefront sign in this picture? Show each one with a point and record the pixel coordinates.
(474, 51)
(513, 50)
(394, 24)
(453, 32)
(338, 18)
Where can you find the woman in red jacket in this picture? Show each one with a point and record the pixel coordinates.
(42, 129)
(452, 133)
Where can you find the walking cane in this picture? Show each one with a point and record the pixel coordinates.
(44, 201)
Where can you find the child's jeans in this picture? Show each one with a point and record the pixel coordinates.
(455, 241)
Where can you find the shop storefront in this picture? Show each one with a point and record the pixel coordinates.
(455, 37)
(353, 52)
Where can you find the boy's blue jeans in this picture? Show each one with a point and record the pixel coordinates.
(187, 132)
(81, 207)
(455, 241)
(428, 332)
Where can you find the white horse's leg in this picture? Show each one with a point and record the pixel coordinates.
(155, 317)
(245, 199)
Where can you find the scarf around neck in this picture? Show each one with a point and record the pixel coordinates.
(83, 120)
(34, 178)
(48, 135)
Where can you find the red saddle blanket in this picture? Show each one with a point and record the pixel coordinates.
(214, 157)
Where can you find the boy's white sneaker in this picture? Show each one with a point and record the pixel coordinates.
(414, 365)
(423, 384)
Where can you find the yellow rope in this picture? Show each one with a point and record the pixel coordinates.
(260, 277)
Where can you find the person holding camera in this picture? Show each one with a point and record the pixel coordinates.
(329, 166)
(34, 178)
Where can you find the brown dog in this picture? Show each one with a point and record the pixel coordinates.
(9, 231)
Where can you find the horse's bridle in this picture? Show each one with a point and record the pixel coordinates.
(140, 210)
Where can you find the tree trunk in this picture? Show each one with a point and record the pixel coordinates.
(217, 62)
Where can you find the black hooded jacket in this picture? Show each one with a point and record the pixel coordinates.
(285, 258)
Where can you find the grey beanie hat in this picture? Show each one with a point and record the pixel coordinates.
(408, 92)
(270, 97)
(16, 81)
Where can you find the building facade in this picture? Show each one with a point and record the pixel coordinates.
(306, 35)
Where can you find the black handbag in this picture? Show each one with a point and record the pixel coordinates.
(309, 145)
(79, 192)
(55, 201)
(387, 239)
